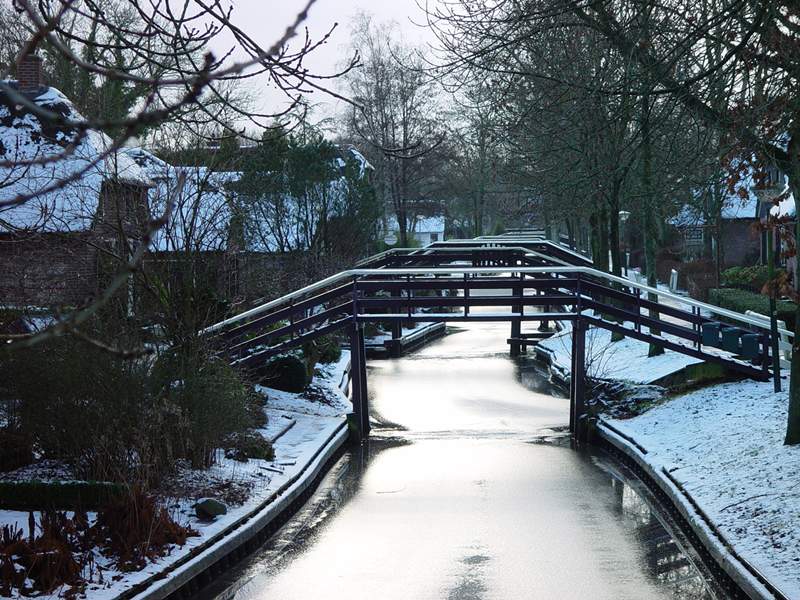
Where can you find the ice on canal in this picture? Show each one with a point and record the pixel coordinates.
(459, 495)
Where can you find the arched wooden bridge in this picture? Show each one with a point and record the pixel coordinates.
(522, 278)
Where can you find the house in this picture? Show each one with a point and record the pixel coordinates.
(57, 217)
(743, 207)
(423, 230)
(86, 200)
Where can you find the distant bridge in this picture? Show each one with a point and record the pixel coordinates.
(445, 281)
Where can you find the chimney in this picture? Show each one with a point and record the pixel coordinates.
(29, 73)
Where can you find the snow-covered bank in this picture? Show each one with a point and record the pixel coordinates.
(724, 446)
(625, 360)
(306, 429)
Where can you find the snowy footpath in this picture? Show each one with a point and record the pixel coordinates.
(723, 446)
(306, 429)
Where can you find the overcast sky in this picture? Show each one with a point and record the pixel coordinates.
(265, 20)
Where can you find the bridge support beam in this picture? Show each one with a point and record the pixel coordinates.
(577, 395)
(516, 324)
(358, 382)
(397, 332)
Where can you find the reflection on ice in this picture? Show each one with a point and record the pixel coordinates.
(450, 499)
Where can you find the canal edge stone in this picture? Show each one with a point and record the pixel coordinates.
(239, 534)
(743, 574)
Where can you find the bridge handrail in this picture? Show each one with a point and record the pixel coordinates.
(523, 239)
(421, 252)
(354, 274)
(506, 238)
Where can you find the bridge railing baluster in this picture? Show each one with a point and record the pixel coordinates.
(466, 294)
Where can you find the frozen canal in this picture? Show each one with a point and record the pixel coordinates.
(468, 490)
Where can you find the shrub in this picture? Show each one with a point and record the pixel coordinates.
(132, 529)
(136, 528)
(373, 329)
(743, 300)
(16, 451)
(754, 277)
(80, 404)
(40, 564)
(251, 444)
(287, 373)
(201, 400)
(254, 406)
(125, 420)
(698, 277)
(325, 349)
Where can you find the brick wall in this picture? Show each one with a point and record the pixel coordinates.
(741, 243)
(64, 269)
(47, 269)
(29, 73)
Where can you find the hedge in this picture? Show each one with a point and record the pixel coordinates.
(753, 277)
(742, 301)
(42, 495)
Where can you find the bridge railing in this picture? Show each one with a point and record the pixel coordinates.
(391, 294)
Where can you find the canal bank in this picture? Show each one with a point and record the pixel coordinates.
(308, 435)
(711, 449)
(722, 462)
(468, 488)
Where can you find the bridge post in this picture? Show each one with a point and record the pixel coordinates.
(397, 330)
(577, 389)
(516, 323)
(358, 381)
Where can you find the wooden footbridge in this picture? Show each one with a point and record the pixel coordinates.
(516, 278)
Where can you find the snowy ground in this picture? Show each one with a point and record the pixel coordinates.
(298, 427)
(385, 336)
(625, 360)
(724, 444)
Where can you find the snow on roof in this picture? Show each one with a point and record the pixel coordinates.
(24, 137)
(201, 208)
(364, 164)
(422, 224)
(785, 208)
(739, 203)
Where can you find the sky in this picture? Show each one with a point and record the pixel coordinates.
(266, 20)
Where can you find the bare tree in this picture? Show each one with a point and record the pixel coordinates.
(395, 118)
(731, 64)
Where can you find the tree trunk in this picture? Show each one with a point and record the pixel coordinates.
(594, 236)
(650, 225)
(793, 421)
(613, 236)
(601, 260)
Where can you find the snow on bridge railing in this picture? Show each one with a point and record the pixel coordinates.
(495, 239)
(427, 251)
(355, 274)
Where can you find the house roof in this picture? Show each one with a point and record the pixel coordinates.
(55, 207)
(740, 202)
(201, 211)
(422, 224)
